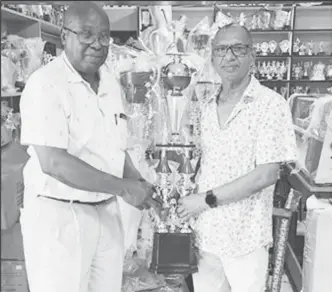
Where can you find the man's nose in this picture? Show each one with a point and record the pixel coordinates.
(96, 44)
(229, 54)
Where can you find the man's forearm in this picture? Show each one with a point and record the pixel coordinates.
(129, 170)
(78, 174)
(247, 185)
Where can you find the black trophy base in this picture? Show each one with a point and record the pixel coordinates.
(173, 253)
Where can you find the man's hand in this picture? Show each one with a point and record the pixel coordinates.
(140, 194)
(191, 206)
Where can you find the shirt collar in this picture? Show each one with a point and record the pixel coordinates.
(75, 77)
(249, 94)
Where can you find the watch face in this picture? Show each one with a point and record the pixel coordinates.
(211, 200)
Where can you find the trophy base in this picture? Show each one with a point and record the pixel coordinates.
(173, 253)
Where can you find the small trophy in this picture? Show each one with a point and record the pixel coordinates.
(283, 91)
(298, 71)
(311, 48)
(254, 22)
(257, 48)
(269, 71)
(264, 48)
(284, 47)
(302, 49)
(318, 72)
(274, 70)
(296, 46)
(306, 68)
(273, 46)
(262, 70)
(242, 19)
(321, 49)
(329, 72)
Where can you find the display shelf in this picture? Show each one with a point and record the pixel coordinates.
(6, 94)
(301, 57)
(272, 31)
(273, 81)
(14, 16)
(320, 30)
(310, 81)
(272, 57)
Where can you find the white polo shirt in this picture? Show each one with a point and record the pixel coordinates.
(258, 131)
(60, 109)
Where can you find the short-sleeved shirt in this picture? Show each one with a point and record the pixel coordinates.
(60, 109)
(259, 131)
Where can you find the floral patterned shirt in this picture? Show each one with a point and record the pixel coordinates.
(258, 131)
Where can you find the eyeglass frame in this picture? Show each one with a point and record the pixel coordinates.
(230, 47)
(95, 35)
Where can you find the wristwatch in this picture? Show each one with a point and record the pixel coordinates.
(211, 199)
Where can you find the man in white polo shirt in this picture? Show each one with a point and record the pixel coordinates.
(74, 122)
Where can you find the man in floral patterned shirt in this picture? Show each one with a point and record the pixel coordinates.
(246, 133)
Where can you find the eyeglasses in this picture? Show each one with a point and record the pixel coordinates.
(88, 38)
(237, 50)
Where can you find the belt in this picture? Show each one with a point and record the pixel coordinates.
(104, 202)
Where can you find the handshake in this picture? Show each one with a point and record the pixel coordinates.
(141, 194)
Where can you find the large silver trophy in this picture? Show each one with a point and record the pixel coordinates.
(173, 242)
(173, 251)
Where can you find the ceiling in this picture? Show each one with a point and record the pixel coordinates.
(174, 3)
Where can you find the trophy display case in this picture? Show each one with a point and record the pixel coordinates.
(293, 42)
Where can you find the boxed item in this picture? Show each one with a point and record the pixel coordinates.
(13, 276)
(13, 159)
(317, 256)
(312, 118)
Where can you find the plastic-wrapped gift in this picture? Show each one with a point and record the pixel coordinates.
(317, 257)
(312, 118)
(9, 74)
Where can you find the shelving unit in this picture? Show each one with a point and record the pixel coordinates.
(306, 23)
(28, 27)
(17, 23)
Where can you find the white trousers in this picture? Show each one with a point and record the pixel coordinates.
(72, 247)
(240, 274)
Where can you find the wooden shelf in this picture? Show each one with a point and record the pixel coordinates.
(318, 30)
(310, 81)
(6, 94)
(46, 27)
(329, 57)
(273, 81)
(274, 31)
(272, 57)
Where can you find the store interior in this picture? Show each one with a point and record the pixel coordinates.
(293, 45)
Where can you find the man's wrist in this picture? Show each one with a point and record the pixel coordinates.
(211, 199)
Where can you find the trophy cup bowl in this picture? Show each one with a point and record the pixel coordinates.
(177, 77)
(134, 85)
(200, 41)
